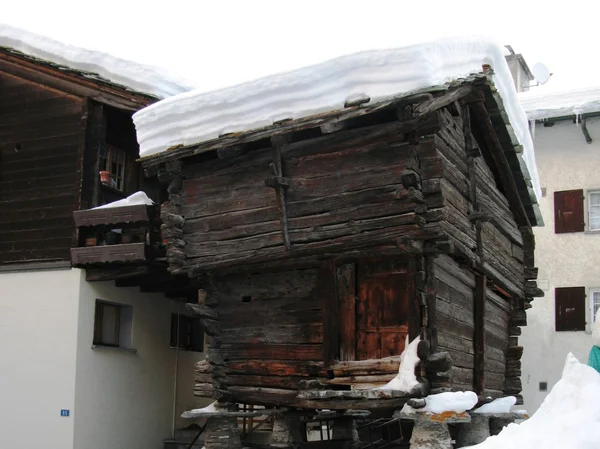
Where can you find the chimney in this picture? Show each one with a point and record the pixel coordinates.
(519, 70)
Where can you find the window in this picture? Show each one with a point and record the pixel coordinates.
(112, 324)
(593, 211)
(543, 386)
(568, 211)
(594, 304)
(112, 160)
(569, 308)
(186, 333)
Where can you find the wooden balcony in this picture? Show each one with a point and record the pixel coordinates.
(126, 235)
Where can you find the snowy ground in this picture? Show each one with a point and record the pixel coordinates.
(569, 418)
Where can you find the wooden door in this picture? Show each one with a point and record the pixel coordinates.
(386, 292)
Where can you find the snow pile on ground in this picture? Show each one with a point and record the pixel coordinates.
(569, 418)
(540, 106)
(405, 380)
(135, 199)
(138, 77)
(456, 401)
(198, 116)
(198, 411)
(500, 405)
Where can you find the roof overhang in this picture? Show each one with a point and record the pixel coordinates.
(76, 82)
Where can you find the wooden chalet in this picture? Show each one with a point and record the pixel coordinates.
(68, 143)
(322, 242)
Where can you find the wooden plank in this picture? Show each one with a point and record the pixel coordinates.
(479, 334)
(328, 292)
(275, 334)
(276, 368)
(346, 283)
(271, 351)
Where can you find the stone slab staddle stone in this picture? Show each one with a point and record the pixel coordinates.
(430, 435)
(345, 429)
(222, 433)
(288, 431)
(475, 432)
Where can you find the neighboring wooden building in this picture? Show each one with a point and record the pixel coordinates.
(100, 347)
(323, 242)
(59, 128)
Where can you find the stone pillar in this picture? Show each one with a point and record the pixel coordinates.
(222, 432)
(288, 431)
(430, 435)
(497, 424)
(475, 432)
(345, 429)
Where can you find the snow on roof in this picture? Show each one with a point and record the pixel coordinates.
(133, 76)
(569, 417)
(539, 106)
(197, 116)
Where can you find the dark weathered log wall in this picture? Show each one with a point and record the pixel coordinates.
(271, 332)
(42, 133)
(487, 247)
(345, 192)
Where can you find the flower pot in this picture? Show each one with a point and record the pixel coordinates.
(112, 238)
(105, 178)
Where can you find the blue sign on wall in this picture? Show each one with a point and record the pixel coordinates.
(65, 412)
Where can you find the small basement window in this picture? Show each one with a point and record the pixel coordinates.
(186, 333)
(113, 324)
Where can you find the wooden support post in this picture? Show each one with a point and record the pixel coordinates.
(479, 337)
(328, 291)
(280, 184)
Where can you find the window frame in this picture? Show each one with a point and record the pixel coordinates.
(588, 207)
(192, 322)
(590, 296)
(113, 154)
(123, 326)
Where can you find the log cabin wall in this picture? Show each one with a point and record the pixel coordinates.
(487, 254)
(271, 335)
(438, 188)
(42, 133)
(346, 192)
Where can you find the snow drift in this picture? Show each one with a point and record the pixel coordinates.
(135, 199)
(197, 116)
(405, 380)
(569, 418)
(454, 401)
(137, 77)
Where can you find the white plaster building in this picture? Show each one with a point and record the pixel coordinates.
(567, 145)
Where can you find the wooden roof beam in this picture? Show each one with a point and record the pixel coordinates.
(482, 119)
(69, 83)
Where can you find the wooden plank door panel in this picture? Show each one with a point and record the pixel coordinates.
(346, 284)
(385, 292)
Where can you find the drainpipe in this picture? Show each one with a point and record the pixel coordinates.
(584, 129)
(176, 373)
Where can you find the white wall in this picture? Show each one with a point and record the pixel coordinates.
(38, 335)
(124, 400)
(565, 162)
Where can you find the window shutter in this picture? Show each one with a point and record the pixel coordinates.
(568, 211)
(569, 308)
